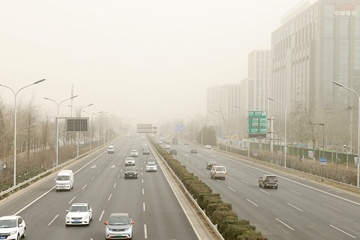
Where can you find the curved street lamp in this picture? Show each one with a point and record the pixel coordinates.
(79, 109)
(57, 126)
(15, 95)
(358, 133)
(285, 116)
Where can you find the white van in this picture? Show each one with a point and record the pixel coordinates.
(64, 180)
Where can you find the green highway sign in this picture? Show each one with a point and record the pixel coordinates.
(257, 124)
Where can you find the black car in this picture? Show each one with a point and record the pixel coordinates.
(130, 172)
(193, 150)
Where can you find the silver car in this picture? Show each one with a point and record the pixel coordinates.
(119, 226)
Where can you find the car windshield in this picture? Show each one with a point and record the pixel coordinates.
(78, 209)
(220, 169)
(8, 223)
(119, 220)
(151, 164)
(61, 178)
(271, 178)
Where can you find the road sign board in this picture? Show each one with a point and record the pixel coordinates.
(257, 123)
(77, 124)
(323, 160)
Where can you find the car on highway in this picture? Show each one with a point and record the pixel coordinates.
(173, 151)
(210, 164)
(151, 167)
(130, 172)
(218, 171)
(119, 226)
(150, 160)
(129, 161)
(207, 147)
(111, 149)
(134, 153)
(193, 150)
(12, 227)
(167, 146)
(146, 151)
(79, 214)
(269, 181)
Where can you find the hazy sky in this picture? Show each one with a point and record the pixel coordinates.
(147, 60)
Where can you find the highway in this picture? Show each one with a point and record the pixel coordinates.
(99, 181)
(299, 209)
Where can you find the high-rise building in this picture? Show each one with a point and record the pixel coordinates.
(318, 43)
(258, 79)
(221, 108)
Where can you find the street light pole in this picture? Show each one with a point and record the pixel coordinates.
(358, 133)
(78, 140)
(15, 96)
(57, 127)
(285, 116)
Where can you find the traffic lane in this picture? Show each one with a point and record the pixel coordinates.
(164, 216)
(272, 204)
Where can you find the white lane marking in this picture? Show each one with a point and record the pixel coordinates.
(295, 192)
(143, 191)
(144, 207)
(93, 166)
(72, 199)
(331, 207)
(265, 192)
(109, 197)
(142, 180)
(342, 231)
(114, 185)
(295, 207)
(101, 215)
(252, 202)
(17, 213)
(231, 189)
(53, 220)
(145, 231)
(112, 166)
(92, 178)
(245, 181)
(284, 224)
(84, 187)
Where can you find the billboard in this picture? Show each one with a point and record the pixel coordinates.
(77, 124)
(145, 128)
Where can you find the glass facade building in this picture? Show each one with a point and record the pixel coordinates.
(318, 43)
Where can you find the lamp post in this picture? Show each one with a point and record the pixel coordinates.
(358, 133)
(15, 95)
(323, 133)
(285, 116)
(57, 126)
(237, 121)
(78, 140)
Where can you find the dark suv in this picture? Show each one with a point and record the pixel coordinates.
(268, 181)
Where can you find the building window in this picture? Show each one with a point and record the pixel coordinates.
(329, 28)
(329, 11)
(344, 28)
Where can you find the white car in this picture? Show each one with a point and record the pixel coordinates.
(130, 161)
(119, 226)
(79, 214)
(151, 167)
(218, 171)
(12, 227)
(111, 149)
(207, 147)
(134, 153)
